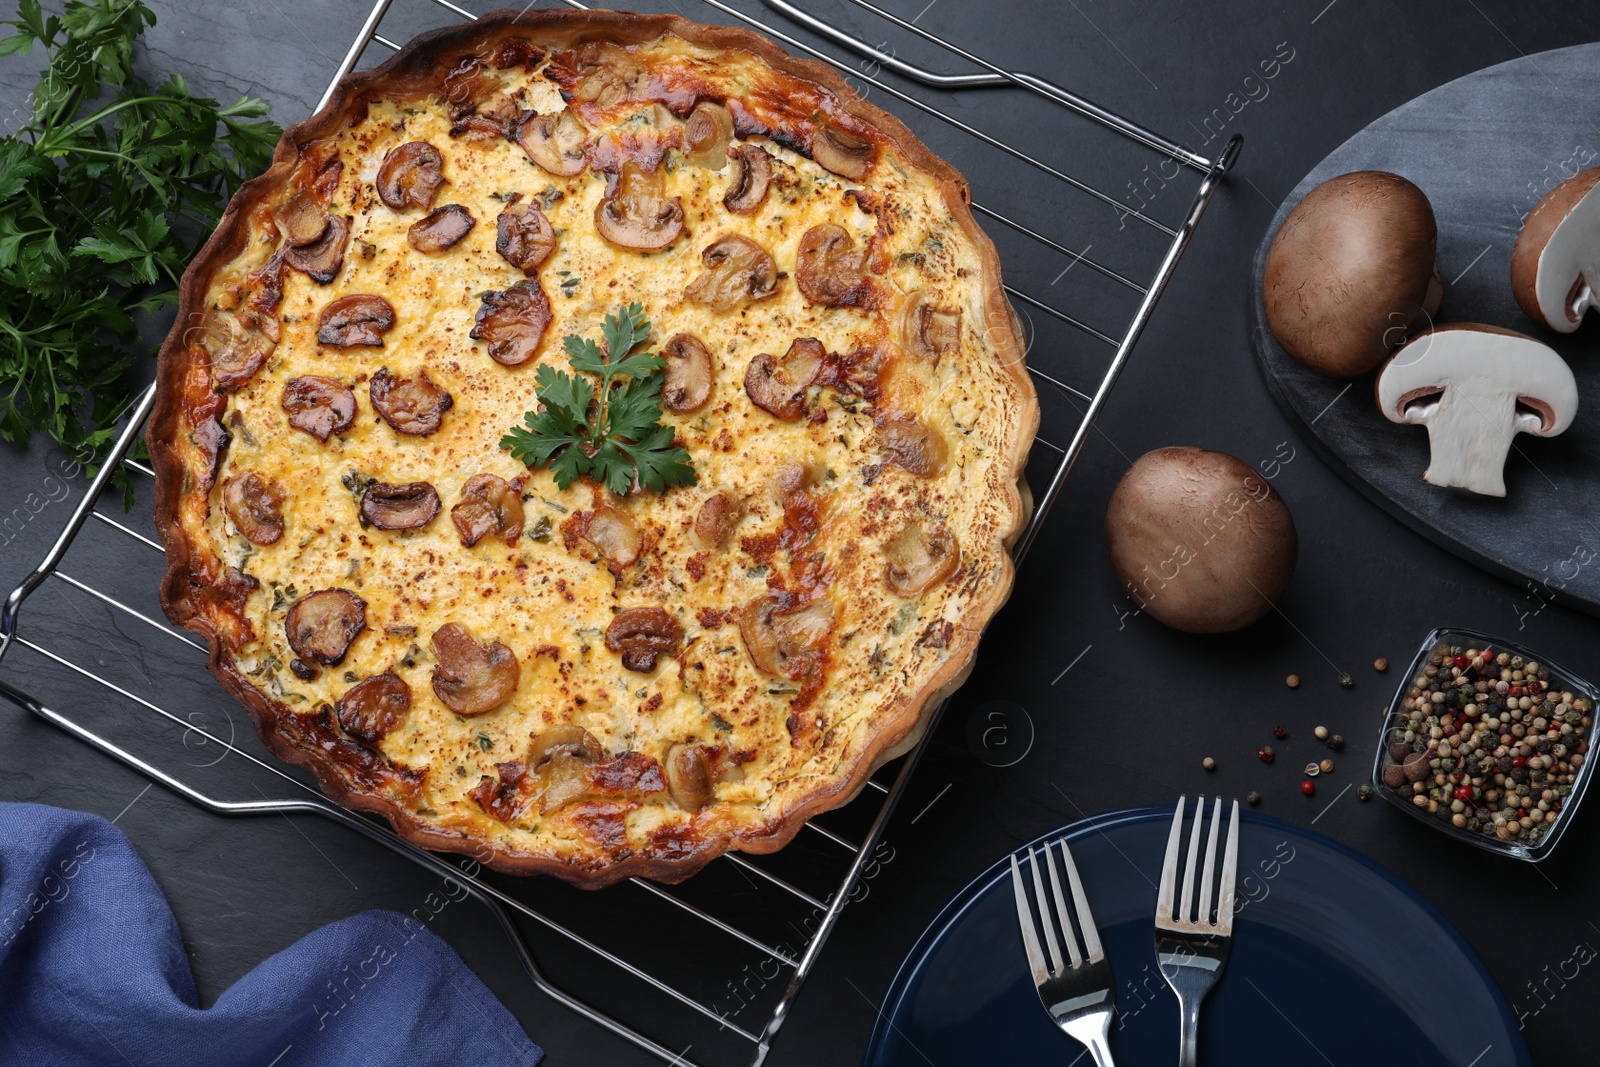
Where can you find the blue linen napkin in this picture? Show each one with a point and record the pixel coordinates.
(92, 971)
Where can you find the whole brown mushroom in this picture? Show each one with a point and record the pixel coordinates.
(1200, 540)
(1350, 276)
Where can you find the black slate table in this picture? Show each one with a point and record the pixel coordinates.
(1141, 705)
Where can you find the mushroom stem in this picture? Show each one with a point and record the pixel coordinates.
(1469, 438)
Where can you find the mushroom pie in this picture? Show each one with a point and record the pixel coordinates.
(548, 655)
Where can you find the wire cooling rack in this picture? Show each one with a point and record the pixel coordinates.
(704, 972)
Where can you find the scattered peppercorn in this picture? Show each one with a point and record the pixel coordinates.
(1489, 741)
(1327, 766)
(1312, 770)
(1308, 787)
(1346, 679)
(1280, 731)
(1293, 681)
(1336, 743)
(1321, 732)
(1209, 764)
(1253, 799)
(1264, 753)
(1365, 792)
(1380, 664)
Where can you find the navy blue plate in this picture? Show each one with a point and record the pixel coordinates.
(1335, 960)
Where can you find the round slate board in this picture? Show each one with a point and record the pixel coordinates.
(1484, 148)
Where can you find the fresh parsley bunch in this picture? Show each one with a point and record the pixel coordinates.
(107, 188)
(613, 433)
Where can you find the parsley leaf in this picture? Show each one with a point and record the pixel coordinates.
(612, 433)
(105, 195)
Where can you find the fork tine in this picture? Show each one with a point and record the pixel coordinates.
(1030, 935)
(1206, 879)
(1050, 940)
(1091, 936)
(1188, 866)
(1064, 912)
(1167, 893)
(1230, 867)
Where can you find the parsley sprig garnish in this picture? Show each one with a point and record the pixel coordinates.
(105, 194)
(612, 433)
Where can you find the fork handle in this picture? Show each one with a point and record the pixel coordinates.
(1093, 1031)
(1100, 1051)
(1188, 1032)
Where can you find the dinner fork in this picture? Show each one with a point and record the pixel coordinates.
(1191, 949)
(1080, 997)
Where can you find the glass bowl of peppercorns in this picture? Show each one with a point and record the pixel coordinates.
(1488, 742)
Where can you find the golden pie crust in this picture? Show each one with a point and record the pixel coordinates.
(684, 678)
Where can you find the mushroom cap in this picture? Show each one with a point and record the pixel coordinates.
(1350, 271)
(1496, 360)
(1557, 249)
(1200, 540)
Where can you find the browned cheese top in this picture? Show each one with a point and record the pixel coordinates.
(573, 676)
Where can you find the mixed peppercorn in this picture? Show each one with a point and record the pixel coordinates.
(1489, 742)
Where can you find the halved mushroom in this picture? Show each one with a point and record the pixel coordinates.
(441, 228)
(410, 175)
(602, 73)
(1475, 388)
(370, 709)
(322, 258)
(779, 386)
(413, 406)
(847, 154)
(913, 444)
(300, 219)
(613, 532)
(472, 678)
(792, 478)
(474, 112)
(636, 215)
(319, 406)
(322, 626)
(830, 270)
(752, 177)
(737, 271)
(513, 321)
(568, 739)
(255, 504)
(1351, 273)
(523, 236)
(359, 319)
(716, 520)
(918, 558)
(1557, 259)
(927, 331)
(260, 311)
(689, 778)
(706, 134)
(489, 504)
(406, 506)
(561, 757)
(558, 143)
(687, 380)
(236, 350)
(783, 638)
(641, 635)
